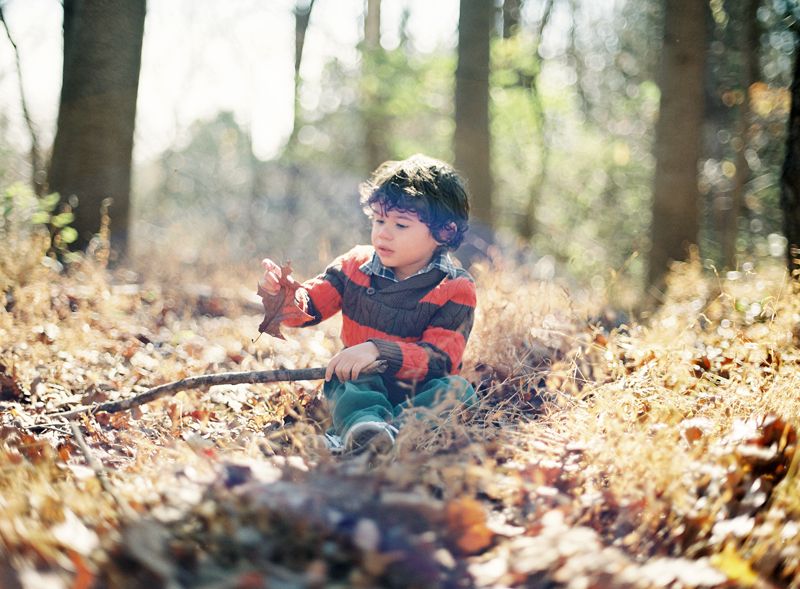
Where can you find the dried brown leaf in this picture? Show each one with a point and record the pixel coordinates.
(9, 388)
(466, 521)
(276, 309)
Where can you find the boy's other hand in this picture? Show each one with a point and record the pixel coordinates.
(348, 364)
(270, 281)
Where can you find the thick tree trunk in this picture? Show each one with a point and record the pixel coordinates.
(472, 135)
(675, 223)
(790, 178)
(731, 215)
(376, 149)
(94, 142)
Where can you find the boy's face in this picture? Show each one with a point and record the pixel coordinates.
(402, 242)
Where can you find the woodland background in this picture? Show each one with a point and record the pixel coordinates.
(636, 427)
(550, 108)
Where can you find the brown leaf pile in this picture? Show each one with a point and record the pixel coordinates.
(646, 456)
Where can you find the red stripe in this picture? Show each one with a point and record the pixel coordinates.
(353, 260)
(354, 333)
(326, 298)
(460, 290)
(351, 270)
(450, 342)
(359, 278)
(360, 254)
(415, 363)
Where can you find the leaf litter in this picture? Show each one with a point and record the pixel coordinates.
(639, 456)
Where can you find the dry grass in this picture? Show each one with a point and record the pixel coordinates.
(618, 448)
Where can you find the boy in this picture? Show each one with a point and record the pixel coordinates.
(402, 300)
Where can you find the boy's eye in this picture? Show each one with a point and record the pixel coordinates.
(401, 226)
(378, 221)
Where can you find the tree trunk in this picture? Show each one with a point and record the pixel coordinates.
(472, 135)
(37, 161)
(790, 177)
(94, 141)
(302, 16)
(376, 150)
(372, 24)
(511, 17)
(730, 216)
(675, 222)
(527, 225)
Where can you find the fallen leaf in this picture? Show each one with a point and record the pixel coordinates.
(696, 428)
(9, 389)
(531, 555)
(663, 572)
(84, 578)
(734, 566)
(466, 520)
(276, 308)
(73, 533)
(490, 572)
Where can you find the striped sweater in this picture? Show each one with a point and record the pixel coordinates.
(420, 325)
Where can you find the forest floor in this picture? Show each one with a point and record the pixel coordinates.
(652, 455)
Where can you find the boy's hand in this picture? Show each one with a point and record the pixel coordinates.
(349, 363)
(270, 281)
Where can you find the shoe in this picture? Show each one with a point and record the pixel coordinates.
(376, 436)
(333, 443)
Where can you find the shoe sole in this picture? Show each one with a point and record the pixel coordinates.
(379, 442)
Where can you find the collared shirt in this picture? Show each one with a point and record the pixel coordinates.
(439, 261)
(418, 341)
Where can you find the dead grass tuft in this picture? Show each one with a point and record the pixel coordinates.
(599, 455)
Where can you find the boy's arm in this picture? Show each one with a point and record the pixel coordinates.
(439, 351)
(321, 296)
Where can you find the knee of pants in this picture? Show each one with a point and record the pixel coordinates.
(367, 384)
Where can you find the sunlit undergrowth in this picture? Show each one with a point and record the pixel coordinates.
(616, 455)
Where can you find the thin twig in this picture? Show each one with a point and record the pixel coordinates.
(60, 427)
(99, 470)
(207, 380)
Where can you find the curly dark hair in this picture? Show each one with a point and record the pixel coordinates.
(426, 186)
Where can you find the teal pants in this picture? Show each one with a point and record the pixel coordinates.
(368, 398)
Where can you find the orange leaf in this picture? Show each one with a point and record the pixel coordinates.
(466, 521)
(84, 578)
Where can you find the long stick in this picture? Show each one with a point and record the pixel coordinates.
(207, 380)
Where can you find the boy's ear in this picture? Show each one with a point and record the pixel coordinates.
(445, 235)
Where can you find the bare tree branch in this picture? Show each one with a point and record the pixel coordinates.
(207, 380)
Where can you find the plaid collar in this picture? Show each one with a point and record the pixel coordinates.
(439, 261)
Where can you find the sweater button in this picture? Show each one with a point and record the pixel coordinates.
(370, 291)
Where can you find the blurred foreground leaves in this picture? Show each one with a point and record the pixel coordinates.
(601, 455)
